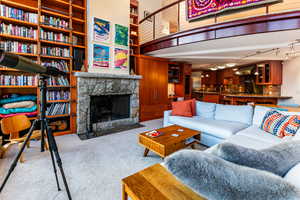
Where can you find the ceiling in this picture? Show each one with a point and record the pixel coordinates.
(240, 50)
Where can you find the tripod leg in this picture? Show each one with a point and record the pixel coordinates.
(49, 131)
(53, 147)
(15, 162)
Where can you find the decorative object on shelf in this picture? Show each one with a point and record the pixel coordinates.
(101, 30)
(101, 56)
(197, 9)
(121, 35)
(121, 58)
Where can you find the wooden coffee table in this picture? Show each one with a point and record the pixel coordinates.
(167, 144)
(156, 183)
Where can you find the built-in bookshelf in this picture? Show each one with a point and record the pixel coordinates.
(134, 28)
(49, 32)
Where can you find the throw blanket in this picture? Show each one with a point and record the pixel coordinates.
(18, 99)
(21, 104)
(17, 110)
(203, 8)
(28, 114)
(218, 179)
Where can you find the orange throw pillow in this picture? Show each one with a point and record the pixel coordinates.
(193, 105)
(182, 108)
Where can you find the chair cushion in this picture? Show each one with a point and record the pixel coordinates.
(206, 110)
(278, 159)
(293, 176)
(182, 108)
(217, 128)
(279, 124)
(242, 114)
(215, 178)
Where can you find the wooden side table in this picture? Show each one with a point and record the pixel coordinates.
(156, 183)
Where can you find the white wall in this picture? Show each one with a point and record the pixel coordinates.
(291, 80)
(114, 11)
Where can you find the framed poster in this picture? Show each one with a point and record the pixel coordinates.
(121, 58)
(101, 56)
(121, 35)
(101, 30)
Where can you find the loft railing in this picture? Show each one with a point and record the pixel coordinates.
(172, 18)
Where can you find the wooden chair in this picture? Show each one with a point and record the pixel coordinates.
(12, 126)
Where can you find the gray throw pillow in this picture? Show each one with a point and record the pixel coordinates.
(278, 159)
(217, 179)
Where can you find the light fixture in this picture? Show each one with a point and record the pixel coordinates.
(221, 67)
(202, 76)
(256, 73)
(231, 64)
(235, 69)
(213, 69)
(207, 75)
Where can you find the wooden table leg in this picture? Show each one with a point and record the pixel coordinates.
(124, 193)
(146, 152)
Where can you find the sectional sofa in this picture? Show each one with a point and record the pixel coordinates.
(235, 124)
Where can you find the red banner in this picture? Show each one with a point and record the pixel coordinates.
(202, 8)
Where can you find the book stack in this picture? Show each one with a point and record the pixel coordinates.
(58, 109)
(56, 51)
(18, 80)
(58, 81)
(18, 47)
(22, 31)
(61, 65)
(54, 21)
(58, 95)
(57, 37)
(18, 14)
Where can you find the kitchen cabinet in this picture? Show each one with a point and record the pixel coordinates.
(209, 78)
(153, 87)
(269, 73)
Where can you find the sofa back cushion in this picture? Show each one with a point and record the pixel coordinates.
(206, 110)
(242, 114)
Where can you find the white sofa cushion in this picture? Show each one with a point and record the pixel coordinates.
(206, 110)
(256, 133)
(293, 176)
(218, 128)
(242, 114)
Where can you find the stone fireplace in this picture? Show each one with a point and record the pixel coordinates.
(113, 100)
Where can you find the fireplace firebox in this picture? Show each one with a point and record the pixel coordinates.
(109, 107)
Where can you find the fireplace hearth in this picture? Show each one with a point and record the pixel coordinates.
(106, 101)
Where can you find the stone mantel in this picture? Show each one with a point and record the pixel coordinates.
(106, 76)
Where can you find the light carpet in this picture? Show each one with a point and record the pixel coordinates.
(94, 168)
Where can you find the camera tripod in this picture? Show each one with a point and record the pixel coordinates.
(51, 140)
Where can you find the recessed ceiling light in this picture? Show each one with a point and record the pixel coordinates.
(221, 67)
(231, 64)
(213, 69)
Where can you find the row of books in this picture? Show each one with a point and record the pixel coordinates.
(61, 65)
(63, 81)
(54, 21)
(58, 109)
(22, 31)
(58, 37)
(58, 95)
(18, 80)
(18, 14)
(18, 47)
(55, 51)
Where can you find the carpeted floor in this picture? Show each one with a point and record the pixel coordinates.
(94, 168)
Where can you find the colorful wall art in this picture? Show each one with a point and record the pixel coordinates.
(121, 58)
(121, 35)
(101, 30)
(101, 56)
(201, 8)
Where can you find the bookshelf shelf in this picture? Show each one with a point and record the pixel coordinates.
(56, 43)
(19, 5)
(56, 57)
(27, 39)
(74, 12)
(56, 29)
(134, 25)
(15, 21)
(48, 12)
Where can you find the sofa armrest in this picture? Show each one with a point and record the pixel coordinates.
(167, 114)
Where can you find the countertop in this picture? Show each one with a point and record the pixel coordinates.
(242, 95)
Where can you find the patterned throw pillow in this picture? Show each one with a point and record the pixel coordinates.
(279, 124)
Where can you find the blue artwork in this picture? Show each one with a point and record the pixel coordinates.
(101, 56)
(101, 30)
